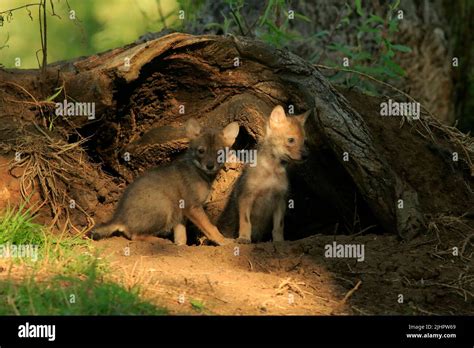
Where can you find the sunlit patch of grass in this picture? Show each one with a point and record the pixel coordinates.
(17, 227)
(65, 279)
(69, 295)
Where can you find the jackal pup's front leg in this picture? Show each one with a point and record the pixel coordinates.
(199, 217)
(245, 203)
(278, 218)
(179, 232)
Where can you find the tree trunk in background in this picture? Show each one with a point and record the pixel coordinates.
(435, 30)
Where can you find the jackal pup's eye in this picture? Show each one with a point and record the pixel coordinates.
(201, 150)
(291, 140)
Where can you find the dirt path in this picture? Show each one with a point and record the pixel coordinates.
(295, 278)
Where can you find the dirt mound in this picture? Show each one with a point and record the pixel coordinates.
(296, 278)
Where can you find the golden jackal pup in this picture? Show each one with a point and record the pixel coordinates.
(161, 199)
(261, 192)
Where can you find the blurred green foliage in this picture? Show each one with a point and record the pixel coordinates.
(99, 26)
(272, 25)
(374, 53)
(105, 24)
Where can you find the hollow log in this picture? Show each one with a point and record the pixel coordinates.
(143, 94)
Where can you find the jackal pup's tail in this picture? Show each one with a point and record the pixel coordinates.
(106, 230)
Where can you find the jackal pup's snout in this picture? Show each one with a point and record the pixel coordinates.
(206, 148)
(287, 134)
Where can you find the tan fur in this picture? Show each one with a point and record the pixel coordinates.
(261, 191)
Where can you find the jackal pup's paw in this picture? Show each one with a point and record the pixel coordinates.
(225, 241)
(241, 240)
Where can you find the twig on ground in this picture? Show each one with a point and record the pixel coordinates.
(350, 292)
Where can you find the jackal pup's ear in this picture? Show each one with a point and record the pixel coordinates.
(193, 128)
(230, 132)
(303, 117)
(277, 117)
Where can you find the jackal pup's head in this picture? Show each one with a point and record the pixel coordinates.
(206, 146)
(286, 135)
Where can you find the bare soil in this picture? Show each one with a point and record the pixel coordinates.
(295, 278)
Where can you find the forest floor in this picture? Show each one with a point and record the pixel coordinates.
(296, 278)
(118, 276)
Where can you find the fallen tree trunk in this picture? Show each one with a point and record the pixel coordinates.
(143, 94)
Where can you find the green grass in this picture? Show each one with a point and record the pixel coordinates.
(17, 227)
(67, 295)
(67, 279)
(199, 306)
(69, 254)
